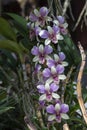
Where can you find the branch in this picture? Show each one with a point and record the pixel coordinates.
(79, 78)
(80, 16)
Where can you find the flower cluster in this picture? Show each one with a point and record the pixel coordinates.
(49, 66)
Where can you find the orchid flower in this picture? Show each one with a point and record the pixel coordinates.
(40, 17)
(60, 21)
(34, 31)
(41, 53)
(52, 35)
(47, 92)
(57, 112)
(54, 74)
(57, 60)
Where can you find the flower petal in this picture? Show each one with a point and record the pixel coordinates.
(56, 29)
(47, 41)
(65, 116)
(62, 77)
(54, 87)
(41, 88)
(32, 17)
(62, 56)
(50, 109)
(43, 11)
(41, 49)
(59, 37)
(50, 63)
(50, 80)
(35, 50)
(64, 108)
(42, 97)
(43, 34)
(50, 30)
(37, 13)
(51, 117)
(60, 69)
(64, 63)
(48, 49)
(46, 72)
(35, 59)
(56, 96)
(61, 19)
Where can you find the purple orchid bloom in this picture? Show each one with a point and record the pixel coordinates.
(58, 111)
(34, 31)
(41, 53)
(54, 74)
(52, 35)
(57, 60)
(48, 92)
(40, 17)
(62, 24)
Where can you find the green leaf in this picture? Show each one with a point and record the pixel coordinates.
(11, 46)
(20, 23)
(5, 109)
(6, 30)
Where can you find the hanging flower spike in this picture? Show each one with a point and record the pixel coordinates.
(57, 60)
(58, 111)
(52, 35)
(48, 92)
(41, 53)
(62, 24)
(40, 17)
(54, 74)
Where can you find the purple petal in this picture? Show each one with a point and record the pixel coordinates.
(35, 50)
(54, 87)
(61, 19)
(37, 30)
(32, 17)
(56, 29)
(48, 49)
(60, 69)
(41, 88)
(43, 11)
(50, 63)
(43, 34)
(46, 73)
(50, 109)
(62, 56)
(64, 108)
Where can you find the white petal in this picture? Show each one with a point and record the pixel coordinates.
(36, 12)
(49, 18)
(57, 107)
(42, 97)
(65, 25)
(47, 41)
(41, 48)
(59, 37)
(37, 23)
(48, 57)
(62, 77)
(47, 87)
(56, 22)
(50, 30)
(51, 117)
(56, 57)
(35, 59)
(65, 63)
(50, 80)
(64, 116)
(53, 70)
(56, 96)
